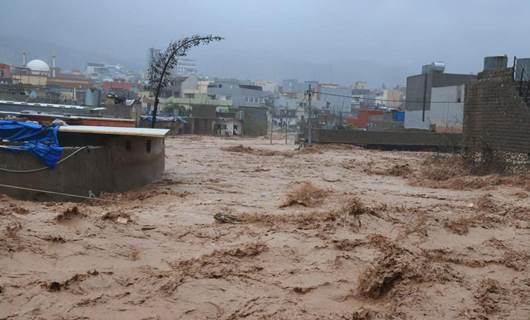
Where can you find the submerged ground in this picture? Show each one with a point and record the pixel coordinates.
(240, 229)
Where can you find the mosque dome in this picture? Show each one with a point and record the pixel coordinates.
(38, 66)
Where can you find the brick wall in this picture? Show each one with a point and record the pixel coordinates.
(495, 116)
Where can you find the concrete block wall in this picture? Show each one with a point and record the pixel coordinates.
(398, 139)
(110, 164)
(255, 121)
(495, 116)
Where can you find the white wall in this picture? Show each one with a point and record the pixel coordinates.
(414, 120)
(447, 108)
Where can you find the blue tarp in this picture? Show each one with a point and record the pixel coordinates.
(32, 137)
(398, 116)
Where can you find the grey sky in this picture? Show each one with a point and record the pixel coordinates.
(327, 40)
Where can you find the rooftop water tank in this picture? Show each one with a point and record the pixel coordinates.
(522, 69)
(433, 67)
(495, 63)
(93, 97)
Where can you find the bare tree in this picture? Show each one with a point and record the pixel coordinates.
(161, 66)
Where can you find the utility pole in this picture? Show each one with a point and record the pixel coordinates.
(271, 122)
(271, 126)
(286, 124)
(309, 133)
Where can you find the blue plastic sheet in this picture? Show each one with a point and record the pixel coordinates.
(32, 137)
(398, 116)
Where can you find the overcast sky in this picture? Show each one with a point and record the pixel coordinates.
(380, 41)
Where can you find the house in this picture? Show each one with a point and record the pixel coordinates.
(202, 119)
(362, 118)
(228, 123)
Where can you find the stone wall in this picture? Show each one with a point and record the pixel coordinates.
(495, 116)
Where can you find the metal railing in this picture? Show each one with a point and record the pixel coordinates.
(522, 77)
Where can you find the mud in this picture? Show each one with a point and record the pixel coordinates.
(366, 234)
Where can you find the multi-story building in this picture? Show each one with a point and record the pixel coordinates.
(334, 98)
(186, 67)
(392, 99)
(419, 93)
(241, 93)
(181, 86)
(5, 74)
(293, 87)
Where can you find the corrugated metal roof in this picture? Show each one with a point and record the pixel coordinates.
(121, 131)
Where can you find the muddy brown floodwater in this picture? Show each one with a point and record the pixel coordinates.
(240, 229)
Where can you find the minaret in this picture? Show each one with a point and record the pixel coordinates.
(53, 66)
(24, 58)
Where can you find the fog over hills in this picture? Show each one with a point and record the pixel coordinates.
(330, 41)
(67, 57)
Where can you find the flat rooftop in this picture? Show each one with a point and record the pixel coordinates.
(120, 131)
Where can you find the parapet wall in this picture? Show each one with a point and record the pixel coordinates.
(495, 116)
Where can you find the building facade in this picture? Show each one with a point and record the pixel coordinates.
(241, 94)
(447, 116)
(419, 93)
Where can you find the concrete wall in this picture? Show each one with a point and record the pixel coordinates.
(203, 111)
(121, 111)
(448, 116)
(254, 121)
(174, 127)
(417, 119)
(389, 139)
(110, 164)
(495, 116)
